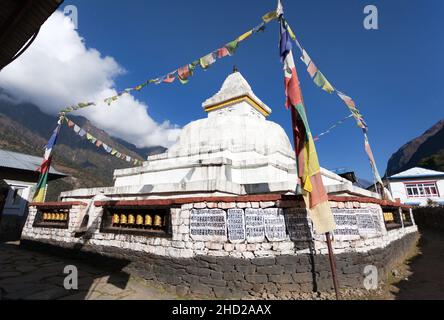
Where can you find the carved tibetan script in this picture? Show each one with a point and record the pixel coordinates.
(236, 225)
(208, 225)
(275, 224)
(254, 225)
(298, 224)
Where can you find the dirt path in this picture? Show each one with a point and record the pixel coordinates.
(423, 276)
(30, 275)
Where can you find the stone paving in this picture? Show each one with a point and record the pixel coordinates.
(30, 275)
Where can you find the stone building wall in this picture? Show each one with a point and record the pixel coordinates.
(225, 269)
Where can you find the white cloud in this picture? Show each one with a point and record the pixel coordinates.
(58, 70)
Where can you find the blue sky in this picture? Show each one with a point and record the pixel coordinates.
(393, 73)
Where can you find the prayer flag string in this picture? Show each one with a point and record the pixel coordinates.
(185, 72)
(321, 81)
(100, 144)
(340, 122)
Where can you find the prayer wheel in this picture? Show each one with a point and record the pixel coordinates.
(388, 216)
(57, 217)
(131, 219)
(116, 219)
(148, 220)
(157, 221)
(53, 216)
(123, 219)
(139, 220)
(45, 216)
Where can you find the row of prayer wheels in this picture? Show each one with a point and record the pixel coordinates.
(55, 216)
(139, 220)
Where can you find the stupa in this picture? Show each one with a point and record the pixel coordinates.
(219, 213)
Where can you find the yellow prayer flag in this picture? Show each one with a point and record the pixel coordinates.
(328, 87)
(245, 36)
(270, 16)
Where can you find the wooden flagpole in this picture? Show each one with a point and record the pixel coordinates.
(331, 255)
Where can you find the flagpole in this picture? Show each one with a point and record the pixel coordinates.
(331, 255)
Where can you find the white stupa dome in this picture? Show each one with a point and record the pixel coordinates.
(236, 122)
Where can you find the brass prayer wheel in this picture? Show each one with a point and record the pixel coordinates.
(45, 216)
(53, 216)
(139, 220)
(131, 219)
(157, 221)
(57, 216)
(116, 219)
(123, 219)
(388, 216)
(148, 220)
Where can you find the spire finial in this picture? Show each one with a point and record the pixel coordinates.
(235, 69)
(280, 9)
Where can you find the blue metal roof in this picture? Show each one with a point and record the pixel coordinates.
(20, 161)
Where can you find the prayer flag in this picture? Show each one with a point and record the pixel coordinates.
(305, 58)
(270, 16)
(184, 73)
(312, 69)
(77, 129)
(169, 78)
(99, 143)
(322, 82)
(222, 52)
(207, 61)
(245, 36)
(82, 133)
(309, 171)
(71, 124)
(231, 47)
(40, 192)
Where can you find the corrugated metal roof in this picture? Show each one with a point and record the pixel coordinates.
(19, 21)
(20, 161)
(417, 173)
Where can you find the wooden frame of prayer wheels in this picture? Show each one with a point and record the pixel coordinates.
(136, 220)
(52, 218)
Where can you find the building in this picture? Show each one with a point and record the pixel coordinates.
(18, 176)
(220, 213)
(418, 186)
(20, 22)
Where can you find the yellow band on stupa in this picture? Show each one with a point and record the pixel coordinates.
(247, 99)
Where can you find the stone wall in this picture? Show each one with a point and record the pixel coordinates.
(282, 276)
(429, 217)
(224, 269)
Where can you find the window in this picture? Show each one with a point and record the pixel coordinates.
(422, 190)
(15, 197)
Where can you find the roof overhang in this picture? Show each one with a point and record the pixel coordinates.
(20, 22)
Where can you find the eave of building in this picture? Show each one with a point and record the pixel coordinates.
(422, 177)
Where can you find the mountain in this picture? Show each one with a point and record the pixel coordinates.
(426, 151)
(25, 128)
